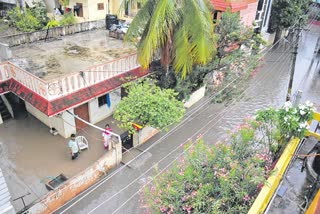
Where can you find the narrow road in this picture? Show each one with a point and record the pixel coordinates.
(118, 193)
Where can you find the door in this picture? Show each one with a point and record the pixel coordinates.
(80, 10)
(81, 111)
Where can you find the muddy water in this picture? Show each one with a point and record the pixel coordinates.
(30, 156)
(269, 86)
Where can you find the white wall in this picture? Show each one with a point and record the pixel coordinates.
(94, 13)
(97, 113)
(85, 8)
(65, 129)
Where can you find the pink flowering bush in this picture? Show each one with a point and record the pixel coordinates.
(227, 177)
(224, 178)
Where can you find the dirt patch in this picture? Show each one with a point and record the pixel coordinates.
(53, 65)
(115, 53)
(75, 50)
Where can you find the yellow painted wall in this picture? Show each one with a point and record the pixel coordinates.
(94, 13)
(85, 9)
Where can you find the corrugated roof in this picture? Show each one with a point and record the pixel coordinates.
(4, 194)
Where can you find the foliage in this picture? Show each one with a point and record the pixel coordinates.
(181, 30)
(185, 86)
(52, 23)
(39, 11)
(23, 20)
(148, 105)
(226, 177)
(285, 14)
(64, 2)
(232, 34)
(278, 126)
(212, 179)
(67, 19)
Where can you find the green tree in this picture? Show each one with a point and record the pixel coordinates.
(232, 34)
(148, 105)
(286, 13)
(23, 20)
(181, 30)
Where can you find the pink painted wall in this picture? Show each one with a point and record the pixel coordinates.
(248, 15)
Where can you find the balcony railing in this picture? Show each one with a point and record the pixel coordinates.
(62, 86)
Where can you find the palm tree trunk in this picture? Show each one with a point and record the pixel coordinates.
(165, 54)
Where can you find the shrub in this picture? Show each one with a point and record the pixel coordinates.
(148, 105)
(67, 19)
(28, 19)
(226, 177)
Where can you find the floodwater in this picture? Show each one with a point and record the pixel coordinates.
(119, 193)
(71, 53)
(30, 156)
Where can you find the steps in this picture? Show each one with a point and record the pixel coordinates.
(5, 114)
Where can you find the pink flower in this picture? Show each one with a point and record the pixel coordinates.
(246, 198)
(163, 209)
(193, 193)
(187, 208)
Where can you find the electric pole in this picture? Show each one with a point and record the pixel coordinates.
(296, 35)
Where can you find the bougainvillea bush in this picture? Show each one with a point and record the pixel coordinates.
(226, 177)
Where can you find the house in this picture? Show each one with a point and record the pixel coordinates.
(81, 74)
(245, 8)
(91, 10)
(255, 13)
(6, 5)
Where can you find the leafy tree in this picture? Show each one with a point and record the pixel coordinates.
(64, 2)
(232, 34)
(23, 20)
(39, 11)
(148, 105)
(182, 30)
(28, 19)
(286, 13)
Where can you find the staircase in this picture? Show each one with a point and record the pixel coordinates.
(5, 114)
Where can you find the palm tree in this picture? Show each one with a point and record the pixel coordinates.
(181, 29)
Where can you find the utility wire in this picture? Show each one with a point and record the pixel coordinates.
(138, 155)
(178, 147)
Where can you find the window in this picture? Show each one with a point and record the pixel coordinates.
(100, 6)
(104, 100)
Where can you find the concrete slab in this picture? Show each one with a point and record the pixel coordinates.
(72, 53)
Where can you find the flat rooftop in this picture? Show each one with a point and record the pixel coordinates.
(53, 58)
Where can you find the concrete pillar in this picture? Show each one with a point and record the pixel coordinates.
(5, 52)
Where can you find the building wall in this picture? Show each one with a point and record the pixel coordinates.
(248, 15)
(85, 7)
(97, 113)
(51, 4)
(65, 125)
(94, 13)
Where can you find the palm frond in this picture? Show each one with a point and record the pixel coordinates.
(164, 16)
(183, 59)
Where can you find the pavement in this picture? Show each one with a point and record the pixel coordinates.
(118, 192)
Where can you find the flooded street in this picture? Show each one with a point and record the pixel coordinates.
(119, 192)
